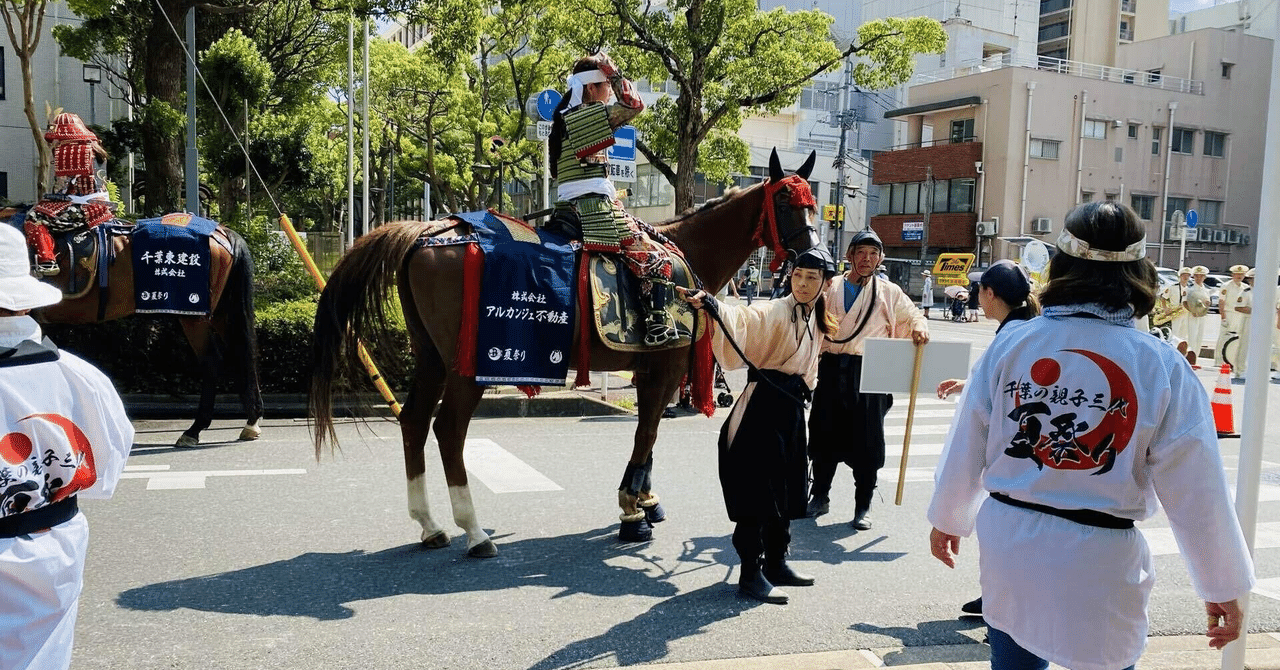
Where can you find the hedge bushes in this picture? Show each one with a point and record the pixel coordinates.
(150, 354)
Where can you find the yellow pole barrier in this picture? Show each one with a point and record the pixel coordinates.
(363, 354)
(911, 413)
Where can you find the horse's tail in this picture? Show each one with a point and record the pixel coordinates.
(353, 307)
(242, 336)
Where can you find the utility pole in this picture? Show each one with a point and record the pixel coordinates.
(193, 157)
(928, 208)
(841, 159)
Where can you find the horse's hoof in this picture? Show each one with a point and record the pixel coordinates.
(635, 531)
(437, 540)
(250, 433)
(485, 549)
(186, 441)
(654, 513)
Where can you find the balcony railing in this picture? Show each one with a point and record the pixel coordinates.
(1070, 67)
(1126, 34)
(1128, 6)
(936, 142)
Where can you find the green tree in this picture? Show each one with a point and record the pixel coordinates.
(729, 59)
(24, 23)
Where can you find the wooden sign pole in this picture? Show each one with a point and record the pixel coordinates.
(911, 415)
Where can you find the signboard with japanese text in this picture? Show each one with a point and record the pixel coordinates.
(952, 269)
(624, 171)
(912, 231)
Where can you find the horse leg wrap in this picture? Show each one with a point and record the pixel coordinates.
(653, 512)
(635, 477)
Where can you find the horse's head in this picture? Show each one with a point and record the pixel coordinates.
(786, 220)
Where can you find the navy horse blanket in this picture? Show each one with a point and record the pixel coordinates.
(171, 265)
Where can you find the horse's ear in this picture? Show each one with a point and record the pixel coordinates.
(807, 168)
(775, 167)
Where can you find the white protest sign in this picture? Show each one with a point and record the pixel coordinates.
(887, 364)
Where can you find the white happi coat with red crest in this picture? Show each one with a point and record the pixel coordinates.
(1085, 413)
(63, 432)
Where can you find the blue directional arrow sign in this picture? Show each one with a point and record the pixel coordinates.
(624, 144)
(547, 101)
(1192, 218)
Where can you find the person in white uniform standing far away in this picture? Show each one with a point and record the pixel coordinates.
(1078, 424)
(63, 435)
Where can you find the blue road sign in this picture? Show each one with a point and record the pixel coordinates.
(547, 101)
(1192, 217)
(624, 144)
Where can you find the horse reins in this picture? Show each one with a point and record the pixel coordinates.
(871, 305)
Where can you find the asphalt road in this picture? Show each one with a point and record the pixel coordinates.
(255, 555)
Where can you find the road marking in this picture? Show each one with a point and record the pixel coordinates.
(145, 468)
(501, 471)
(899, 431)
(160, 481)
(922, 414)
(1162, 542)
(1269, 588)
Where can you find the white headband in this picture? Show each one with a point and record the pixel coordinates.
(1073, 246)
(577, 81)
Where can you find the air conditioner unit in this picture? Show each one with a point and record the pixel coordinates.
(1041, 226)
(1204, 234)
(1220, 237)
(986, 228)
(1116, 123)
(1233, 237)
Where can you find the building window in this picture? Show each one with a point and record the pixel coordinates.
(962, 130)
(961, 199)
(1182, 141)
(1175, 205)
(941, 190)
(899, 195)
(1054, 30)
(1044, 148)
(1, 73)
(1210, 212)
(1086, 196)
(651, 188)
(821, 95)
(1143, 204)
(1214, 143)
(1155, 141)
(4, 186)
(1048, 6)
(1095, 129)
(1226, 70)
(1133, 131)
(911, 204)
(1153, 76)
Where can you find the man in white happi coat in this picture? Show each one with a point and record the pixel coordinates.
(846, 425)
(1229, 321)
(63, 435)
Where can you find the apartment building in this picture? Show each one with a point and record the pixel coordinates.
(1001, 149)
(60, 81)
(1091, 31)
(1250, 17)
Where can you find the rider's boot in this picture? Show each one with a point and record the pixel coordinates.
(660, 328)
(39, 238)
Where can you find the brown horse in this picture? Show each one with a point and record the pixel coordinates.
(716, 240)
(230, 325)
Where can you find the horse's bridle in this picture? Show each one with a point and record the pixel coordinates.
(767, 235)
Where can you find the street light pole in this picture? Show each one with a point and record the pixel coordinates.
(92, 75)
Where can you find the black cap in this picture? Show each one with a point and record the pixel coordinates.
(1008, 280)
(817, 258)
(866, 237)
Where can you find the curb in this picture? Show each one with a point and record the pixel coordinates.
(294, 405)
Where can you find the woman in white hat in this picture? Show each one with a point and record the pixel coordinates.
(926, 293)
(72, 438)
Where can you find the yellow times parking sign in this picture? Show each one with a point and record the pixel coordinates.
(952, 269)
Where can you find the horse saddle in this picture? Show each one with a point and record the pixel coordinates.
(77, 261)
(618, 313)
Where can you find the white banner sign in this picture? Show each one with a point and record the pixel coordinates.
(622, 171)
(887, 365)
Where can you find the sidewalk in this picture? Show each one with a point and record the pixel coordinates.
(1179, 652)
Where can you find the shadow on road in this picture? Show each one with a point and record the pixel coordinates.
(320, 585)
(933, 634)
(811, 542)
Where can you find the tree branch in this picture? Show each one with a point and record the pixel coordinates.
(656, 162)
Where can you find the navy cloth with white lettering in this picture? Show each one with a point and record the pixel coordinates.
(171, 267)
(526, 305)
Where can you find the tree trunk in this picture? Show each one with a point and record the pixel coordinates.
(43, 157)
(163, 78)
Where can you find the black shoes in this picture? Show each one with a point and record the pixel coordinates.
(754, 584)
(973, 606)
(781, 573)
(817, 507)
(860, 520)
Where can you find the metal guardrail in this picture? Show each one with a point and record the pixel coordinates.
(1069, 67)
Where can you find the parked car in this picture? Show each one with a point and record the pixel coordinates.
(1215, 282)
(1168, 277)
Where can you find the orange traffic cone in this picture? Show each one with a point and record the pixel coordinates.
(1223, 410)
